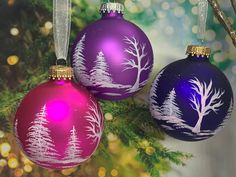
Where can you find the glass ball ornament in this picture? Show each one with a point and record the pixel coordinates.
(191, 99)
(58, 124)
(112, 57)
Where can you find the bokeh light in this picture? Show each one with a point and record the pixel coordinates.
(12, 60)
(13, 163)
(14, 31)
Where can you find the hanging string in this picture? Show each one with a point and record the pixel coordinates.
(61, 27)
(202, 19)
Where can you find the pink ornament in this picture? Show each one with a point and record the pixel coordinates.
(59, 124)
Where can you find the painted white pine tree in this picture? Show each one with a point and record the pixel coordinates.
(79, 62)
(204, 100)
(137, 50)
(155, 108)
(100, 73)
(95, 127)
(73, 151)
(170, 107)
(40, 144)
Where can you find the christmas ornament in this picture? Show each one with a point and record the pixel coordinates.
(112, 57)
(59, 123)
(191, 99)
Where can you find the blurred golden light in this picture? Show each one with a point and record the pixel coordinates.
(10, 2)
(12, 60)
(44, 31)
(101, 172)
(18, 172)
(5, 147)
(67, 172)
(48, 25)
(2, 134)
(144, 175)
(26, 161)
(114, 172)
(144, 144)
(108, 116)
(150, 150)
(14, 31)
(3, 162)
(28, 168)
(4, 154)
(13, 163)
(112, 137)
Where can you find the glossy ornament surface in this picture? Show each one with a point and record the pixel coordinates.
(191, 99)
(112, 57)
(58, 124)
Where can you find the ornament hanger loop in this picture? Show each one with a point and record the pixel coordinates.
(61, 27)
(202, 19)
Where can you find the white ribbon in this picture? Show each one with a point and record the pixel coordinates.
(202, 19)
(61, 27)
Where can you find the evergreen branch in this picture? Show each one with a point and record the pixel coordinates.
(128, 126)
(4, 124)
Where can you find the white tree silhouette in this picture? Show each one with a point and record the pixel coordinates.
(79, 62)
(170, 107)
(95, 127)
(40, 144)
(204, 100)
(170, 112)
(73, 152)
(137, 50)
(100, 73)
(155, 108)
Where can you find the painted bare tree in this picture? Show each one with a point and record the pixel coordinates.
(40, 144)
(100, 73)
(170, 107)
(137, 50)
(204, 100)
(95, 121)
(73, 151)
(155, 108)
(79, 62)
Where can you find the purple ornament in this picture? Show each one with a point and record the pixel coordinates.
(112, 57)
(191, 99)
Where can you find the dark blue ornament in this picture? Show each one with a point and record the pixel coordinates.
(191, 99)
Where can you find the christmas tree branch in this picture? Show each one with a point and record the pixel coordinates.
(136, 128)
(220, 15)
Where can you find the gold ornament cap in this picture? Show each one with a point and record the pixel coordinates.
(59, 72)
(112, 7)
(198, 50)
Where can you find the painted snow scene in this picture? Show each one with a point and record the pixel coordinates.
(41, 142)
(205, 102)
(99, 73)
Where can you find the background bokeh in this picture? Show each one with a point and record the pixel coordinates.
(26, 50)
